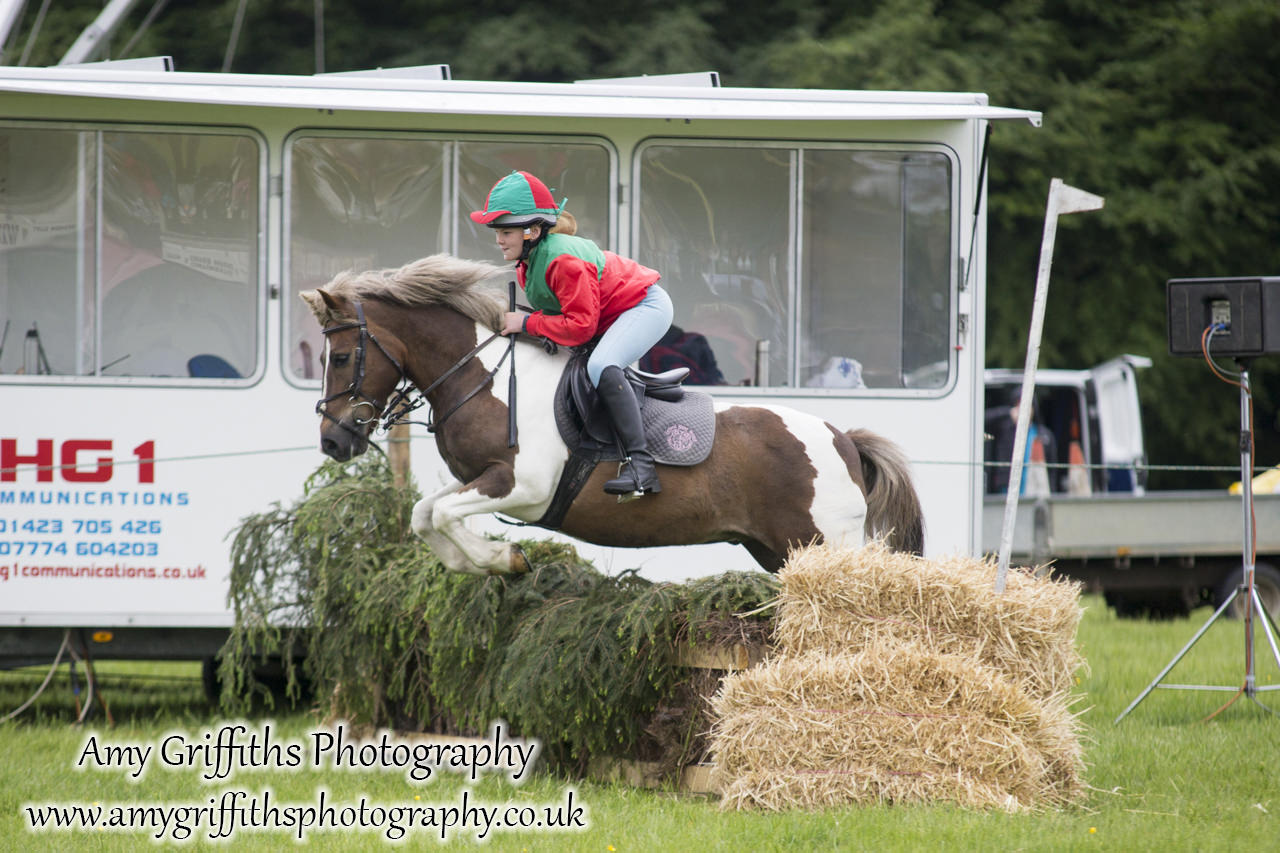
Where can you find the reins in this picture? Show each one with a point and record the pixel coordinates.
(431, 425)
(406, 398)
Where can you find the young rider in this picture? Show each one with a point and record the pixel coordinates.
(581, 292)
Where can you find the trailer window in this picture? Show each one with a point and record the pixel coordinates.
(876, 249)
(801, 266)
(359, 202)
(129, 253)
(716, 222)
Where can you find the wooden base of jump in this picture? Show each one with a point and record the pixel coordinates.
(695, 779)
(728, 658)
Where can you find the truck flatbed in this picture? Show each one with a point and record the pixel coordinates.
(1159, 553)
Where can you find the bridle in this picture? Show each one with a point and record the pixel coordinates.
(355, 390)
(406, 398)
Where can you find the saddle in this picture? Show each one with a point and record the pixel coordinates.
(679, 426)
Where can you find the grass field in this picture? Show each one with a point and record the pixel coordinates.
(1163, 779)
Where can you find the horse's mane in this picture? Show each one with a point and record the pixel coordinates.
(438, 279)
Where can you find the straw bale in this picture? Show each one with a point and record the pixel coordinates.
(891, 723)
(840, 599)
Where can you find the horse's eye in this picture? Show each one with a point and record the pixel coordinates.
(338, 359)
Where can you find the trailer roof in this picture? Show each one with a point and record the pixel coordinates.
(589, 99)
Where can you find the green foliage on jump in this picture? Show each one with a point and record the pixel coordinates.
(384, 635)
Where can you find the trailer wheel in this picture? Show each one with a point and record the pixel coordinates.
(1148, 604)
(1266, 581)
(1124, 608)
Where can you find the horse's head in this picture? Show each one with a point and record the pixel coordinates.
(360, 373)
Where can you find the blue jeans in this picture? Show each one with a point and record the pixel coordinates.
(633, 334)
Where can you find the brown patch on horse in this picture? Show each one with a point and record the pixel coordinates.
(445, 291)
(497, 481)
(473, 441)
(755, 454)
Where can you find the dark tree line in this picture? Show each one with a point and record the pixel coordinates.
(1165, 107)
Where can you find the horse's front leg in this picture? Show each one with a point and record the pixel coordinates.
(424, 526)
(442, 522)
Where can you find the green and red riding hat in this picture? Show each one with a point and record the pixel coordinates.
(518, 200)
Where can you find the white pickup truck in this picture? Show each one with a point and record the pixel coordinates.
(1158, 553)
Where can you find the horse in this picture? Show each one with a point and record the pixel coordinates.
(775, 478)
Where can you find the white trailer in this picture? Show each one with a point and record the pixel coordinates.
(158, 371)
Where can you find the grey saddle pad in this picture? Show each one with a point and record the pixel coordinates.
(678, 433)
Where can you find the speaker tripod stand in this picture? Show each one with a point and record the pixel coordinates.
(1253, 606)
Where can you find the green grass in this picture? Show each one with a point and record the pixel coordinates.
(1163, 779)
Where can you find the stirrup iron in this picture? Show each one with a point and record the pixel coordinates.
(626, 497)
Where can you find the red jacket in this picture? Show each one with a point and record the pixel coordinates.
(588, 302)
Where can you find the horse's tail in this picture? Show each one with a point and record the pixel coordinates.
(893, 507)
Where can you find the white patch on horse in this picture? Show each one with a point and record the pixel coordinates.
(538, 471)
(442, 515)
(839, 508)
(422, 522)
(324, 368)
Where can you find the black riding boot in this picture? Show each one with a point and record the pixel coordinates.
(636, 475)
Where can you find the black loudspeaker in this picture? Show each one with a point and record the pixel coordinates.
(1247, 309)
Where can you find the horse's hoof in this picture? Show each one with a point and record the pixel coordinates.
(519, 562)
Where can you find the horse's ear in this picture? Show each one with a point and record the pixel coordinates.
(324, 306)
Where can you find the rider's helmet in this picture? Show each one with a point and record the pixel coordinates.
(516, 201)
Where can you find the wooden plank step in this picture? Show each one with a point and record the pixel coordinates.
(695, 779)
(730, 658)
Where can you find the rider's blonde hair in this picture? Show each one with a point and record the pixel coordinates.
(565, 224)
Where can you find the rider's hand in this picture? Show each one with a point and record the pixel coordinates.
(513, 322)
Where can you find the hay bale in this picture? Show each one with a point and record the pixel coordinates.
(895, 722)
(899, 679)
(835, 599)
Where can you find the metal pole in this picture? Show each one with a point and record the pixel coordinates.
(1062, 200)
(234, 39)
(1250, 595)
(319, 21)
(1205, 627)
(1246, 500)
(94, 36)
(762, 363)
(10, 11)
(1254, 607)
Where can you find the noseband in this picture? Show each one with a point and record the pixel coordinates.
(406, 398)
